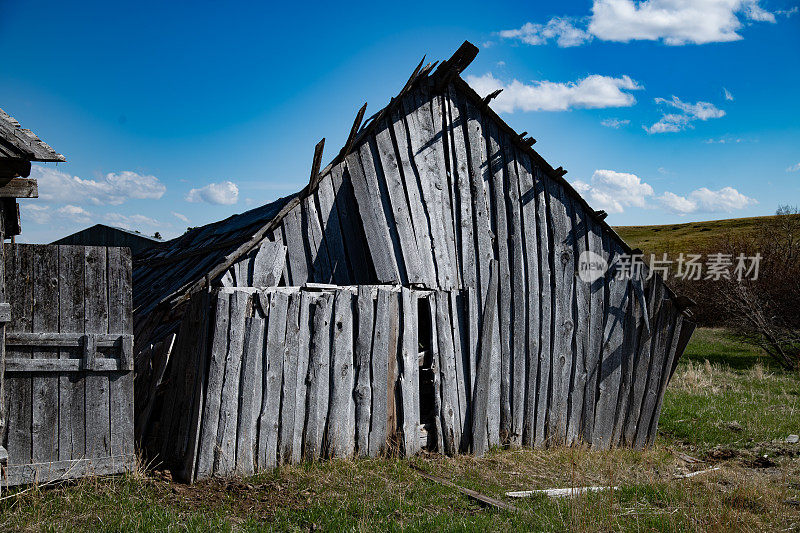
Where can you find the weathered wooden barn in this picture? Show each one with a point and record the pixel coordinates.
(103, 235)
(422, 291)
(66, 348)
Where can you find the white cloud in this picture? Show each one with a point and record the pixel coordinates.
(674, 22)
(113, 189)
(727, 94)
(38, 213)
(74, 213)
(594, 91)
(181, 217)
(614, 191)
(672, 122)
(223, 193)
(793, 168)
(561, 29)
(725, 140)
(705, 200)
(615, 123)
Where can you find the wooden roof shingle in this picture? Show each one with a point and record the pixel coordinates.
(17, 142)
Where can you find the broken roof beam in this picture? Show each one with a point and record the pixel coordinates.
(454, 66)
(351, 139)
(316, 164)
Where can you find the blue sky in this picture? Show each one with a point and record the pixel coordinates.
(178, 114)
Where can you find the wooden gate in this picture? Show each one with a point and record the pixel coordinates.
(69, 379)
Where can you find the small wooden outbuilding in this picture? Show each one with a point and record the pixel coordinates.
(66, 380)
(103, 235)
(422, 290)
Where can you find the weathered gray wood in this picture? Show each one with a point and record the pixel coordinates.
(216, 372)
(388, 171)
(295, 246)
(19, 188)
(519, 295)
(340, 434)
(546, 317)
(458, 329)
(286, 443)
(301, 383)
(250, 393)
(611, 363)
(268, 264)
(372, 215)
(225, 449)
(350, 223)
(66, 340)
(272, 368)
(318, 378)
(378, 432)
(21, 364)
(64, 470)
(527, 208)
(331, 230)
(641, 360)
(416, 208)
(318, 247)
(487, 353)
(120, 320)
(392, 375)
(409, 374)
(44, 439)
(429, 161)
(563, 261)
(435, 360)
(479, 173)
(19, 260)
(596, 321)
(72, 397)
(498, 190)
(633, 324)
(582, 321)
(450, 411)
(363, 358)
(671, 349)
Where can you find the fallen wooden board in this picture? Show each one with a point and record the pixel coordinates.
(477, 496)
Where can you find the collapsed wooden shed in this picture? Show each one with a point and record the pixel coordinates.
(436, 259)
(66, 344)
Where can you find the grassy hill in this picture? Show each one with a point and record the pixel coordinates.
(691, 236)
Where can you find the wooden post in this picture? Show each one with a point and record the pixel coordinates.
(3, 452)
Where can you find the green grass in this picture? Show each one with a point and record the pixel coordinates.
(725, 406)
(690, 237)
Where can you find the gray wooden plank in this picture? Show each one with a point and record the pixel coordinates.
(546, 318)
(331, 230)
(416, 207)
(487, 358)
(564, 266)
(389, 172)
(519, 297)
(71, 395)
(19, 291)
(392, 419)
(378, 432)
(250, 394)
(633, 325)
(216, 372)
(291, 354)
(582, 321)
(318, 246)
(427, 154)
(675, 324)
(363, 356)
(462, 194)
(44, 439)
(596, 320)
(225, 449)
(439, 427)
(498, 192)
(340, 434)
(450, 411)
(531, 254)
(301, 383)
(409, 374)
(272, 369)
(458, 330)
(98, 395)
(64, 470)
(120, 320)
(611, 362)
(376, 229)
(318, 378)
(297, 256)
(268, 264)
(350, 223)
